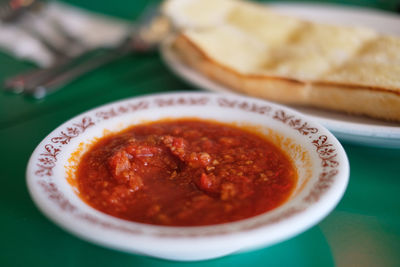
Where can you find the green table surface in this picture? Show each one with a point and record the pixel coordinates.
(363, 230)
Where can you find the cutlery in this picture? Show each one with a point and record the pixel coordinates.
(145, 36)
(15, 12)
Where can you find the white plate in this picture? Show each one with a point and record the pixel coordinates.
(348, 128)
(320, 160)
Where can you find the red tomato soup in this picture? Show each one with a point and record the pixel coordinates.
(186, 172)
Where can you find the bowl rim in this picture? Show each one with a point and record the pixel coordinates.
(116, 233)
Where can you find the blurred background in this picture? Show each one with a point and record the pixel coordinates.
(364, 230)
(112, 7)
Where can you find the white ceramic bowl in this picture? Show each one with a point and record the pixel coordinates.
(321, 162)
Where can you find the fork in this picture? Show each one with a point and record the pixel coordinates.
(17, 11)
(151, 28)
(13, 11)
